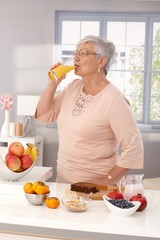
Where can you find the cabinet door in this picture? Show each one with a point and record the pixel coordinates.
(6, 236)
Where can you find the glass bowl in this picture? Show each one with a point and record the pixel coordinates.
(123, 212)
(79, 204)
(36, 199)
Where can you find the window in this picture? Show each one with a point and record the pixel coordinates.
(155, 75)
(128, 72)
(136, 71)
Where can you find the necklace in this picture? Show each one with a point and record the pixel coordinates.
(81, 104)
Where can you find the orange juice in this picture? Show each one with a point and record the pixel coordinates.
(60, 71)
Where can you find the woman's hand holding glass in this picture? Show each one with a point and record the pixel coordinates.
(59, 70)
(52, 78)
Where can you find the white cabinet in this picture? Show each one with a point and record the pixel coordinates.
(37, 140)
(6, 236)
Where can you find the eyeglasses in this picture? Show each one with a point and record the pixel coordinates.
(83, 53)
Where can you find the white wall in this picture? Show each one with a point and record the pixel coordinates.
(26, 51)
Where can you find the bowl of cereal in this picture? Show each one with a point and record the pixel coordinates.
(79, 204)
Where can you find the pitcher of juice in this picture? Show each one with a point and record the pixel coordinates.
(62, 69)
(131, 185)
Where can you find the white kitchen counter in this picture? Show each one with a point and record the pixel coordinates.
(17, 216)
(36, 173)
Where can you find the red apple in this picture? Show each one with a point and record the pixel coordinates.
(26, 161)
(8, 155)
(13, 162)
(16, 148)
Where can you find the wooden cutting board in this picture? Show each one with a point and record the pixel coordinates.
(103, 190)
(94, 196)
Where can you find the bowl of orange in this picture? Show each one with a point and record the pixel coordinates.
(36, 193)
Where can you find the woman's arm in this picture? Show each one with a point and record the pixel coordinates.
(123, 124)
(49, 104)
(46, 99)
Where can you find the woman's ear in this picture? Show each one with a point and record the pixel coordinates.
(102, 61)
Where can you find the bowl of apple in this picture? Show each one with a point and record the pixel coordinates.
(17, 160)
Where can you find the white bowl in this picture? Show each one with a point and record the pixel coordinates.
(123, 212)
(9, 175)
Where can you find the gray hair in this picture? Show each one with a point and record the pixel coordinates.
(103, 48)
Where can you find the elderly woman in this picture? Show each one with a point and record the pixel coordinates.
(99, 140)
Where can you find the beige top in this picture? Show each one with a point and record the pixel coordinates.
(91, 130)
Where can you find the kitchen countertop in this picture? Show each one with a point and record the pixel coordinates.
(36, 173)
(19, 217)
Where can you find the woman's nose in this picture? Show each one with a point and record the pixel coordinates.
(76, 58)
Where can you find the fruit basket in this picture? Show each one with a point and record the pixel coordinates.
(15, 164)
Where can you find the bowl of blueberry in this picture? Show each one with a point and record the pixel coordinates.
(121, 207)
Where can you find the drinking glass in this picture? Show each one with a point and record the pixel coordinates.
(62, 69)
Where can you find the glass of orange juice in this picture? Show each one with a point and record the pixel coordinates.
(62, 69)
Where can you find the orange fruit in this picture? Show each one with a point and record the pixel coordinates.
(34, 185)
(28, 187)
(40, 187)
(52, 202)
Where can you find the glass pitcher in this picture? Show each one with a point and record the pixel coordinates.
(131, 185)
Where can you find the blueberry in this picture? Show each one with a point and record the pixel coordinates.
(121, 203)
